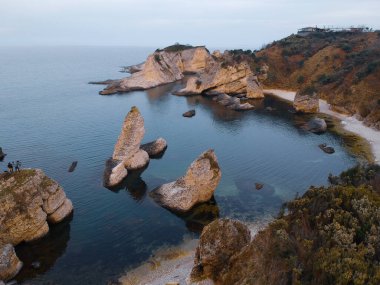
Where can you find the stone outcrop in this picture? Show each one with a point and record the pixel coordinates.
(10, 265)
(233, 103)
(161, 67)
(189, 114)
(129, 154)
(326, 149)
(28, 201)
(222, 73)
(155, 148)
(306, 103)
(196, 186)
(2, 154)
(219, 241)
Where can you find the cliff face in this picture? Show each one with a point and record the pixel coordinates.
(343, 67)
(221, 73)
(28, 201)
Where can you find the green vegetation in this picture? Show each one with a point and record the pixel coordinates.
(330, 235)
(176, 47)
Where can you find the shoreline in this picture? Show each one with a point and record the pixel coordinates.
(173, 264)
(349, 123)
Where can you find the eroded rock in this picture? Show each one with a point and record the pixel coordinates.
(137, 161)
(27, 198)
(196, 186)
(219, 241)
(316, 125)
(10, 265)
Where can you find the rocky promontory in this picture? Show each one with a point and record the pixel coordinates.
(216, 72)
(196, 186)
(29, 202)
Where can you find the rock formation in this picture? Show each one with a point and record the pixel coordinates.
(2, 154)
(221, 73)
(129, 154)
(196, 186)
(155, 148)
(326, 149)
(189, 114)
(10, 265)
(233, 103)
(161, 67)
(306, 103)
(219, 241)
(28, 201)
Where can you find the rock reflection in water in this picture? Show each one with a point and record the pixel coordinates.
(134, 184)
(39, 256)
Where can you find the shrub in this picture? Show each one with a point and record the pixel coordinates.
(300, 79)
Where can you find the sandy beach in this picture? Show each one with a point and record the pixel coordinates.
(349, 123)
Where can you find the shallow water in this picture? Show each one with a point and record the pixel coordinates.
(51, 117)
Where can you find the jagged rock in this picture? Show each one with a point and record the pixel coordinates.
(160, 68)
(131, 135)
(316, 125)
(10, 265)
(219, 241)
(133, 68)
(127, 154)
(189, 114)
(155, 148)
(27, 198)
(2, 154)
(241, 107)
(139, 160)
(306, 103)
(326, 149)
(196, 186)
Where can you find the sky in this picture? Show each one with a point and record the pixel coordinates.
(151, 23)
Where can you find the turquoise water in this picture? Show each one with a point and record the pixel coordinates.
(50, 117)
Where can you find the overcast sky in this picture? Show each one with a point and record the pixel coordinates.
(215, 23)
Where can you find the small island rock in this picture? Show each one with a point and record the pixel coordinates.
(316, 125)
(306, 102)
(196, 186)
(189, 114)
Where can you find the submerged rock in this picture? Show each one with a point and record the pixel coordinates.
(73, 166)
(155, 148)
(306, 103)
(326, 149)
(10, 265)
(189, 114)
(219, 241)
(316, 125)
(196, 186)
(28, 199)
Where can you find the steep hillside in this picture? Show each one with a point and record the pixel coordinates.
(343, 67)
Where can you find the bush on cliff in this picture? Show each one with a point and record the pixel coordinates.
(330, 235)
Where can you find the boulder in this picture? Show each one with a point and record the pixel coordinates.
(155, 148)
(326, 149)
(27, 198)
(316, 125)
(189, 114)
(196, 186)
(139, 160)
(219, 241)
(306, 103)
(114, 173)
(254, 89)
(61, 213)
(10, 265)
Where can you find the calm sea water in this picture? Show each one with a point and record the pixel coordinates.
(50, 117)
